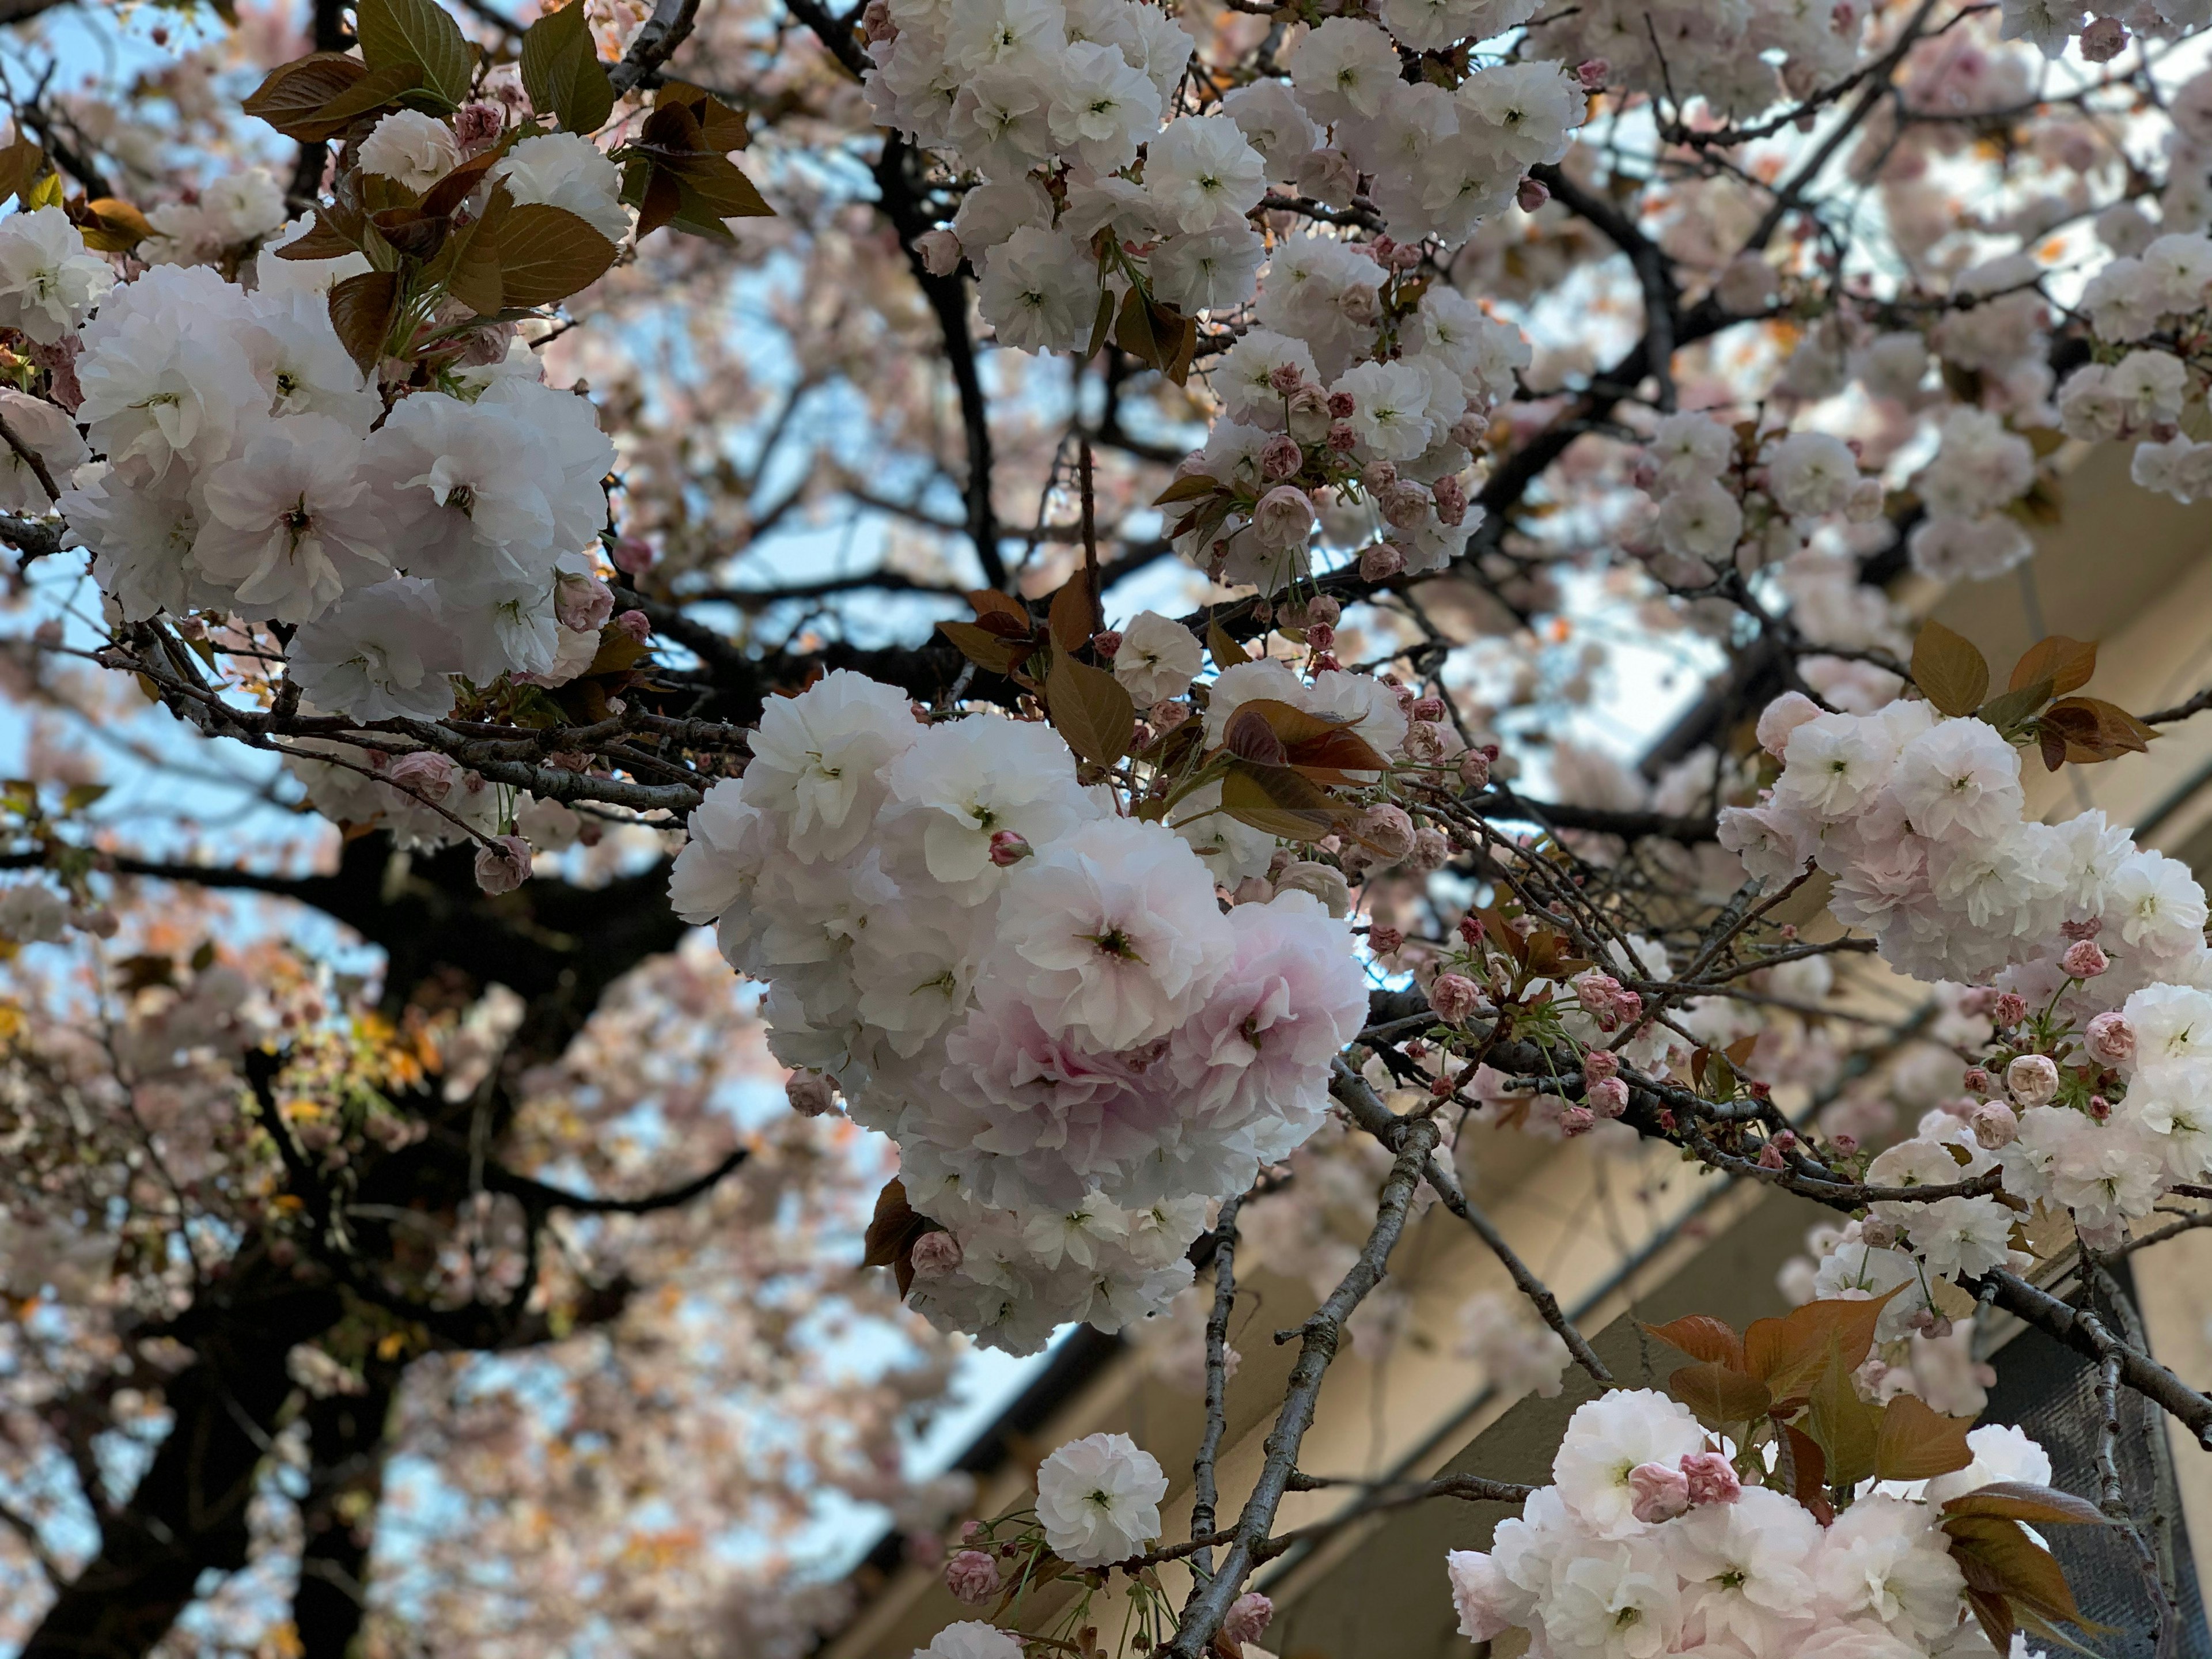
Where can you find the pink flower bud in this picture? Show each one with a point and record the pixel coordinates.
(1600, 1065)
(1009, 848)
(2099, 1108)
(1608, 1097)
(1454, 996)
(971, 1576)
(1977, 1079)
(1659, 1493)
(1287, 378)
(2084, 959)
(1474, 769)
(940, 251)
(1321, 636)
(1471, 929)
(1590, 74)
(1710, 1477)
(1576, 1121)
(1107, 642)
(476, 125)
(1342, 405)
(1248, 1618)
(1342, 438)
(1626, 1005)
(1377, 475)
(634, 558)
(582, 604)
(1381, 562)
(2105, 39)
(1387, 829)
(1783, 716)
(1877, 1235)
(2011, 1009)
(1281, 458)
(2033, 1080)
(1531, 194)
(1995, 1124)
(1325, 662)
(2089, 929)
(1166, 716)
(935, 1256)
(811, 1094)
(2112, 1039)
(504, 864)
(1323, 612)
(1428, 709)
(1769, 1157)
(635, 624)
(1596, 992)
(1384, 941)
(1432, 850)
(425, 775)
(1450, 499)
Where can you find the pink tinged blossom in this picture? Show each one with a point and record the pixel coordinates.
(1384, 941)
(811, 1094)
(1248, 1619)
(971, 1576)
(2105, 38)
(1590, 74)
(1600, 1065)
(1474, 769)
(936, 1256)
(1576, 1121)
(1166, 716)
(636, 624)
(2011, 1008)
(1769, 1157)
(1281, 458)
(504, 865)
(1381, 562)
(1321, 635)
(1107, 643)
(1387, 829)
(1531, 194)
(1286, 378)
(2033, 1080)
(1710, 1478)
(1657, 1492)
(1283, 518)
(2112, 1039)
(1995, 1124)
(940, 251)
(1487, 1601)
(1454, 996)
(1008, 848)
(1451, 499)
(1783, 716)
(1323, 612)
(2084, 959)
(426, 775)
(583, 604)
(633, 556)
(1607, 1098)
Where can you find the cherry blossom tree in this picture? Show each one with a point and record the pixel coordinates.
(1054, 528)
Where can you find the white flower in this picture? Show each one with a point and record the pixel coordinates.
(50, 435)
(414, 150)
(284, 527)
(2157, 903)
(1432, 25)
(1834, 763)
(1488, 1602)
(274, 275)
(1210, 270)
(1689, 448)
(1159, 658)
(1959, 779)
(1812, 473)
(1040, 291)
(1098, 1499)
(970, 1639)
(1960, 1237)
(381, 652)
(821, 757)
(1343, 68)
(31, 913)
(48, 282)
(974, 778)
(1608, 1437)
(1389, 416)
(1001, 123)
(2001, 1453)
(1700, 520)
(1622, 1602)
(2172, 1026)
(1883, 1558)
(980, 33)
(1102, 107)
(1244, 377)
(559, 169)
(1203, 173)
(1112, 932)
(1744, 1567)
(1268, 114)
(1523, 111)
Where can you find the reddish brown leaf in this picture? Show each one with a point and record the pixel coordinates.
(1789, 1354)
(1090, 709)
(1703, 1337)
(1720, 1395)
(2021, 1500)
(2067, 663)
(361, 311)
(1949, 671)
(1917, 1443)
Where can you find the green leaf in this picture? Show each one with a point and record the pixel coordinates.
(1917, 1443)
(418, 32)
(562, 71)
(1949, 671)
(1720, 1395)
(1090, 709)
(2010, 709)
(20, 163)
(378, 89)
(548, 253)
(1846, 1427)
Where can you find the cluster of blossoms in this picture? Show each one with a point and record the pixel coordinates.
(2154, 300)
(1745, 499)
(2097, 1097)
(1358, 401)
(1724, 51)
(1650, 1542)
(1041, 1000)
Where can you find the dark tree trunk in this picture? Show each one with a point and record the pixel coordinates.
(346, 1446)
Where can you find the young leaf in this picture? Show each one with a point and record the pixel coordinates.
(1811, 1488)
(1192, 487)
(20, 163)
(2067, 663)
(1917, 1443)
(548, 253)
(361, 311)
(378, 89)
(1072, 613)
(988, 601)
(418, 32)
(291, 96)
(1703, 1337)
(2021, 1500)
(1090, 709)
(1998, 1557)
(1950, 672)
(2103, 728)
(1847, 1427)
(1789, 1354)
(1249, 737)
(1133, 330)
(562, 71)
(2008, 709)
(1225, 652)
(983, 648)
(1719, 1396)
(1276, 799)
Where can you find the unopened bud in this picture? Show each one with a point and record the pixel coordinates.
(1576, 1121)
(935, 1256)
(2011, 1008)
(1608, 1097)
(811, 1094)
(1323, 612)
(1384, 941)
(1107, 642)
(1381, 562)
(2033, 1080)
(1474, 769)
(2084, 959)
(1248, 1618)
(1009, 848)
(1428, 709)
(2111, 1039)
(636, 624)
(1590, 74)
(1454, 996)
(940, 251)
(1531, 194)
(1995, 1124)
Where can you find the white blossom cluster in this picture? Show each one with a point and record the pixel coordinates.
(2140, 300)
(1647, 1543)
(1724, 51)
(1041, 1000)
(1702, 526)
(1919, 821)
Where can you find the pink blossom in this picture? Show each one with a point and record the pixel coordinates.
(1590, 74)
(426, 775)
(1531, 194)
(1659, 1493)
(1710, 1477)
(2084, 959)
(971, 1576)
(1576, 1121)
(940, 251)
(935, 1255)
(1608, 1097)
(2112, 1038)
(582, 604)
(1454, 996)
(636, 624)
(504, 865)
(811, 1094)
(2011, 1009)
(1384, 941)
(1783, 716)
(1995, 1124)
(2105, 38)
(1281, 458)
(1387, 829)
(634, 558)
(1323, 612)
(1107, 642)
(1248, 1618)
(1287, 378)
(1474, 769)
(1600, 1065)
(1166, 716)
